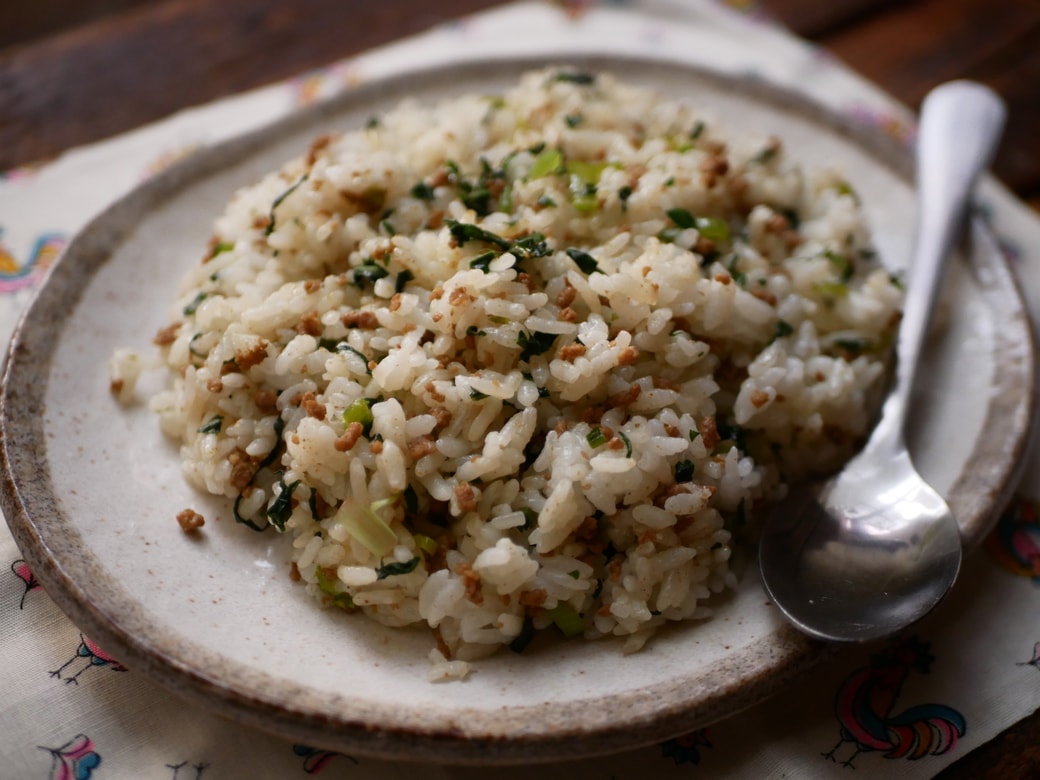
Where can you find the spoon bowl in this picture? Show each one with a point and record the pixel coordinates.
(872, 550)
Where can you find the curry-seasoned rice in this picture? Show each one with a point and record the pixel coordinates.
(509, 362)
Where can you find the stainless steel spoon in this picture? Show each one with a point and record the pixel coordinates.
(873, 549)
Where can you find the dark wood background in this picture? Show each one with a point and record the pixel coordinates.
(75, 71)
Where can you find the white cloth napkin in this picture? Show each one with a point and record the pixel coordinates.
(70, 711)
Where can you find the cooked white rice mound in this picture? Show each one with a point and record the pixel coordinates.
(532, 359)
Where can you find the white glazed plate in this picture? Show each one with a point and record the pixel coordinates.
(91, 489)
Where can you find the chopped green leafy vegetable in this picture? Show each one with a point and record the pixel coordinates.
(852, 346)
(684, 471)
(245, 520)
(194, 305)
(547, 162)
(585, 261)
(402, 279)
(842, 264)
(530, 519)
(623, 195)
(464, 231)
(628, 444)
(523, 639)
(278, 202)
(567, 619)
(360, 412)
(213, 426)
(712, 228)
(365, 525)
(368, 273)
(411, 500)
(425, 543)
(422, 191)
(394, 569)
(576, 77)
(783, 328)
(482, 261)
(281, 508)
(327, 585)
(530, 246)
(534, 343)
(596, 438)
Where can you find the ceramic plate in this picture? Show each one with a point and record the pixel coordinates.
(91, 489)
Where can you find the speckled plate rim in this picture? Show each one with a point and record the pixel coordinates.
(554, 731)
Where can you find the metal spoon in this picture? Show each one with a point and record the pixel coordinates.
(875, 548)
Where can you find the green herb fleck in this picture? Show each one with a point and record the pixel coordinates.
(483, 261)
(585, 261)
(628, 444)
(194, 305)
(394, 569)
(464, 231)
(327, 585)
(220, 249)
(531, 246)
(213, 426)
(368, 273)
(623, 195)
(245, 520)
(596, 438)
(573, 120)
(854, 347)
(548, 161)
(684, 471)
(281, 508)
(523, 639)
(422, 191)
(577, 77)
(712, 228)
(402, 279)
(792, 217)
(842, 264)
(360, 412)
(278, 202)
(697, 131)
(534, 343)
(411, 500)
(682, 218)
(566, 619)
(767, 154)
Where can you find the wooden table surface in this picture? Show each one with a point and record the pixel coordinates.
(76, 71)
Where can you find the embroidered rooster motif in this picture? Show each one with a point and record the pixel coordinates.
(865, 702)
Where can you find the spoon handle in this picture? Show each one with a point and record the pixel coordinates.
(961, 122)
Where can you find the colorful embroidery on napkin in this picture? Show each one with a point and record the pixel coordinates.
(16, 276)
(865, 702)
(75, 760)
(21, 570)
(1015, 543)
(92, 657)
(686, 749)
(315, 760)
(187, 766)
(1035, 660)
